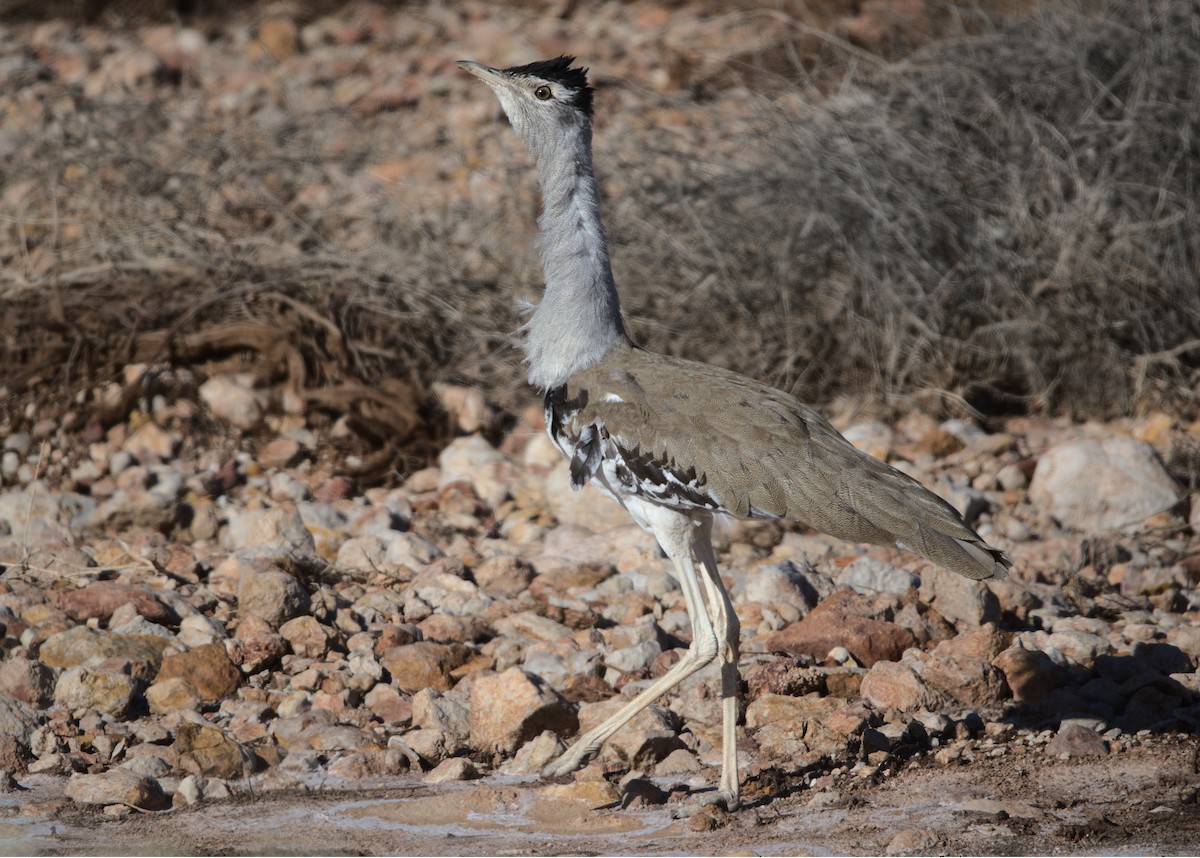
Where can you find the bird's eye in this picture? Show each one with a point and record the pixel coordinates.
(543, 93)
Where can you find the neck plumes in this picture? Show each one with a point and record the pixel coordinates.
(579, 317)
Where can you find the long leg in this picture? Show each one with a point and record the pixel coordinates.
(728, 632)
(702, 651)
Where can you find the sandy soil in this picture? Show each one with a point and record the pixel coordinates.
(1139, 802)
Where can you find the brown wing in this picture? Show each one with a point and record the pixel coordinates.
(693, 436)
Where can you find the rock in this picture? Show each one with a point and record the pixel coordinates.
(17, 724)
(407, 554)
(357, 765)
(466, 405)
(512, 707)
(273, 595)
(194, 789)
(476, 462)
(587, 507)
(1076, 741)
(98, 601)
(340, 737)
(1012, 478)
(913, 840)
(896, 686)
(149, 443)
(117, 786)
(1102, 486)
(535, 755)
(447, 593)
(26, 680)
(1079, 646)
(786, 727)
(197, 630)
(279, 453)
(279, 528)
(87, 688)
(307, 637)
(503, 577)
(961, 601)
(868, 640)
(650, 737)
(867, 575)
(230, 398)
(280, 38)
(386, 703)
(961, 668)
(261, 647)
(777, 584)
(207, 668)
(432, 711)
(423, 665)
(171, 694)
(211, 752)
(454, 769)
(1030, 674)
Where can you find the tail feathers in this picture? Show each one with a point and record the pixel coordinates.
(971, 558)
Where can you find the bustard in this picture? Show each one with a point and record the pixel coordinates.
(676, 442)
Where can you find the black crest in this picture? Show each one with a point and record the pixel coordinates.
(559, 71)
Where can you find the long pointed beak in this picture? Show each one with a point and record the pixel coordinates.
(485, 73)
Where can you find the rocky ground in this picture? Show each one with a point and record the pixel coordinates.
(185, 629)
(211, 632)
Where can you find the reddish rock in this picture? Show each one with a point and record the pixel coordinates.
(423, 665)
(973, 681)
(338, 488)
(1029, 673)
(27, 680)
(98, 601)
(279, 453)
(503, 577)
(510, 708)
(307, 637)
(207, 668)
(396, 635)
(262, 651)
(388, 705)
(962, 669)
(868, 640)
(894, 685)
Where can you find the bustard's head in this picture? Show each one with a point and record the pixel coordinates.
(547, 102)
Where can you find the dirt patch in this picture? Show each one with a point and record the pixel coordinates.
(1140, 801)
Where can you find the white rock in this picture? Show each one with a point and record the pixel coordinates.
(279, 528)
(407, 551)
(867, 575)
(1101, 486)
(231, 398)
(587, 507)
(473, 460)
(197, 630)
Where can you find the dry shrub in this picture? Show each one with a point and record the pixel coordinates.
(1006, 222)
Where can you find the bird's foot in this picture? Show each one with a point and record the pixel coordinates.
(701, 801)
(573, 759)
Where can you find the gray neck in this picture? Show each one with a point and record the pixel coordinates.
(579, 318)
